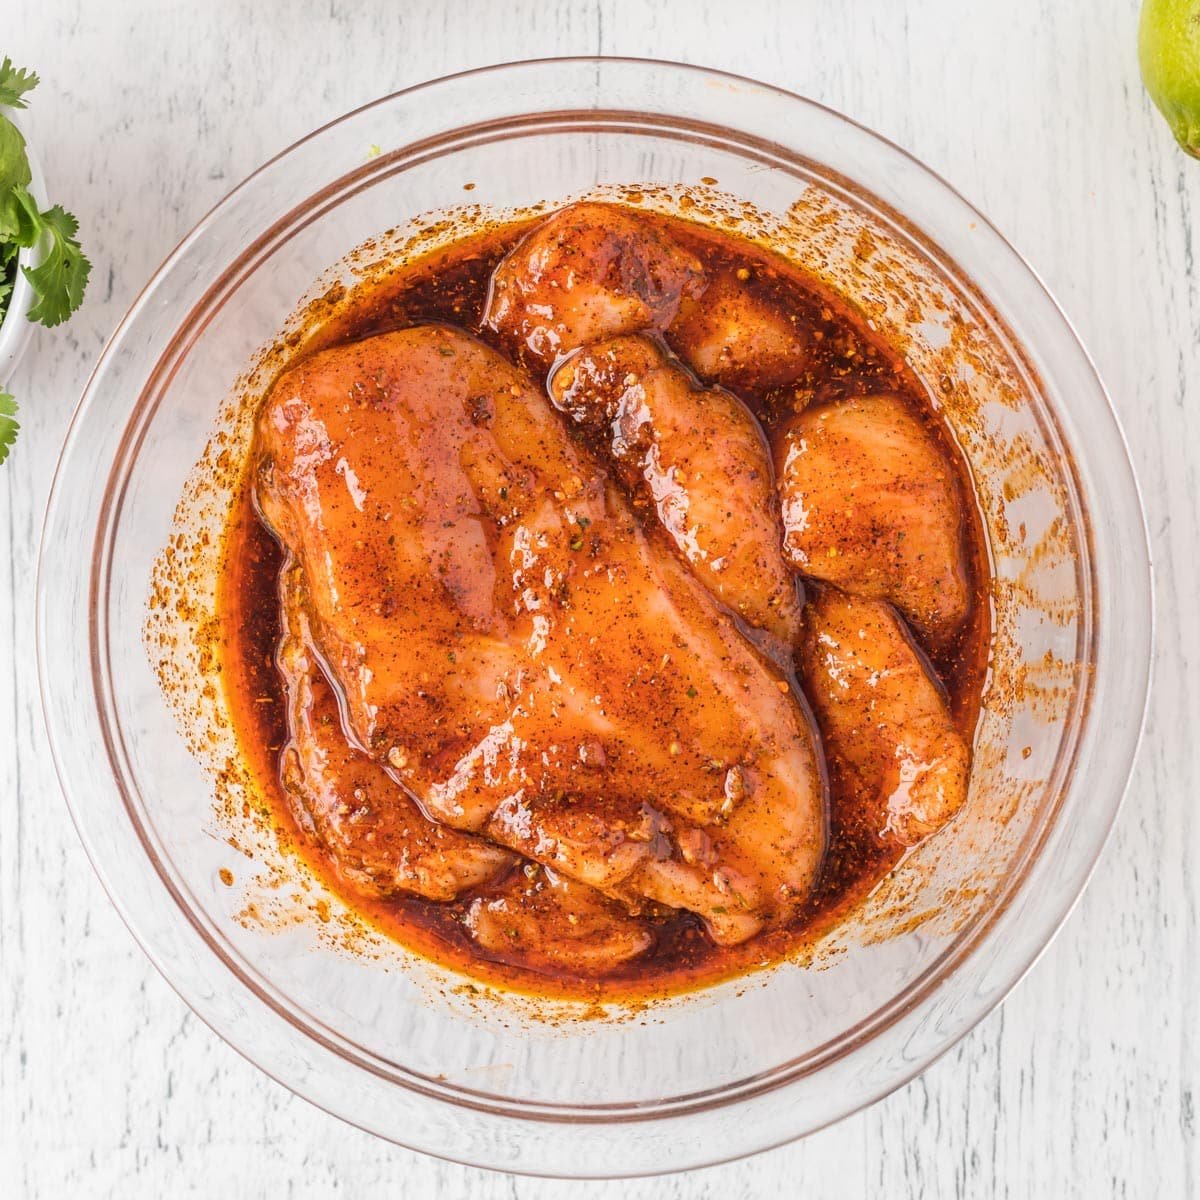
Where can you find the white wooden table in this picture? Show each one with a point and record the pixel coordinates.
(1085, 1083)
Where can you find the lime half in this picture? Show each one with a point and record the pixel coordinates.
(1169, 52)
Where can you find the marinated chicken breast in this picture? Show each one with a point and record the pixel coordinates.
(699, 457)
(898, 764)
(590, 271)
(375, 832)
(728, 335)
(517, 652)
(595, 271)
(870, 504)
(546, 922)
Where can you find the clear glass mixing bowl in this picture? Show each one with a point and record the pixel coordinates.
(390, 1042)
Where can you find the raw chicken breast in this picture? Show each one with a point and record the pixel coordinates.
(870, 504)
(543, 921)
(590, 271)
(596, 271)
(728, 335)
(896, 759)
(517, 652)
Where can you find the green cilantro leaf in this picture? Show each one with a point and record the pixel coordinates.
(60, 278)
(8, 424)
(14, 83)
(14, 166)
(8, 271)
(20, 221)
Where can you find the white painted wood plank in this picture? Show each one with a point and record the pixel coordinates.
(1085, 1082)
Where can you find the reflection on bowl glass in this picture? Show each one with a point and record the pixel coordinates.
(347, 1017)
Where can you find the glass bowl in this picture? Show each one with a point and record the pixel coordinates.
(385, 1039)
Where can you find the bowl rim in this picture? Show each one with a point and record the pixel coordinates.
(200, 229)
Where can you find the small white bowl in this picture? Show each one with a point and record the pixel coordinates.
(16, 329)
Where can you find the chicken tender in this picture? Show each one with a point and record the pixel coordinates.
(870, 504)
(896, 758)
(699, 457)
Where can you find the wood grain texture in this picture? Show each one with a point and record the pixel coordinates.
(1085, 1083)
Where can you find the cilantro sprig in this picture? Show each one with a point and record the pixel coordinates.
(60, 278)
(14, 84)
(8, 424)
